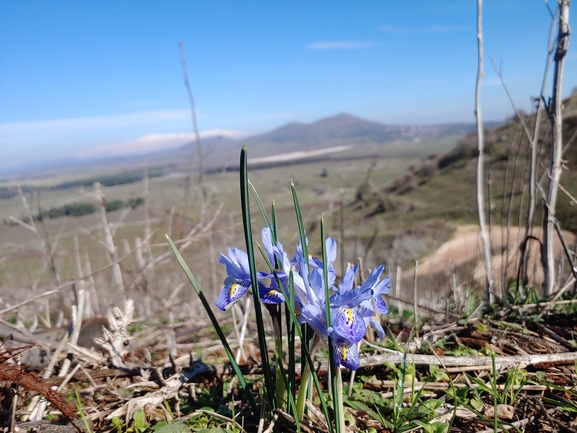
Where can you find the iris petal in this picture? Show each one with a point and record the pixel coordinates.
(352, 298)
(267, 244)
(347, 323)
(314, 316)
(331, 246)
(241, 259)
(348, 279)
(230, 294)
(383, 287)
(347, 354)
(381, 305)
(233, 268)
(376, 325)
(270, 295)
(373, 277)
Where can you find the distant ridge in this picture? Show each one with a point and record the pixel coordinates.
(339, 130)
(341, 126)
(345, 128)
(331, 132)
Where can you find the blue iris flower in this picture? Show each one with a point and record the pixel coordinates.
(238, 279)
(383, 287)
(348, 326)
(369, 309)
(352, 308)
(346, 353)
(312, 275)
(277, 257)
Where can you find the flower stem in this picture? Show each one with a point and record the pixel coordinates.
(339, 403)
(280, 380)
(305, 379)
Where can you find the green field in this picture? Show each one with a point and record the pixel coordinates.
(322, 186)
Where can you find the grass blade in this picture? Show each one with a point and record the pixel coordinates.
(335, 375)
(274, 225)
(302, 234)
(307, 335)
(308, 360)
(214, 321)
(244, 197)
(291, 326)
(261, 207)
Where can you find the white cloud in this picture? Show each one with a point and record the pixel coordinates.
(89, 124)
(430, 29)
(228, 133)
(154, 142)
(340, 45)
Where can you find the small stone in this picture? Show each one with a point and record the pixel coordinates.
(504, 411)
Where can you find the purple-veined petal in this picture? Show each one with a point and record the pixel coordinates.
(230, 294)
(315, 262)
(346, 354)
(347, 324)
(299, 285)
(350, 299)
(301, 267)
(381, 305)
(366, 310)
(331, 252)
(232, 268)
(303, 272)
(269, 295)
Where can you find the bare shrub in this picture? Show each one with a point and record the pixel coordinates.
(464, 150)
(364, 191)
(427, 169)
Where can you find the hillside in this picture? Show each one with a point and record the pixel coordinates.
(426, 203)
(443, 186)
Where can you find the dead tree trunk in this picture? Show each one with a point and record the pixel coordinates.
(556, 117)
(117, 283)
(485, 239)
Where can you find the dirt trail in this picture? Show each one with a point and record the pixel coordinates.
(465, 246)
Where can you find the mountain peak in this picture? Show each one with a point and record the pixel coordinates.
(345, 120)
(345, 128)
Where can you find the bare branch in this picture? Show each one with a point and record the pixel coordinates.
(556, 117)
(480, 160)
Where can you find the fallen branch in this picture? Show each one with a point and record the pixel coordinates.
(454, 361)
(31, 381)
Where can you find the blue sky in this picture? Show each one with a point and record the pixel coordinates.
(83, 78)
